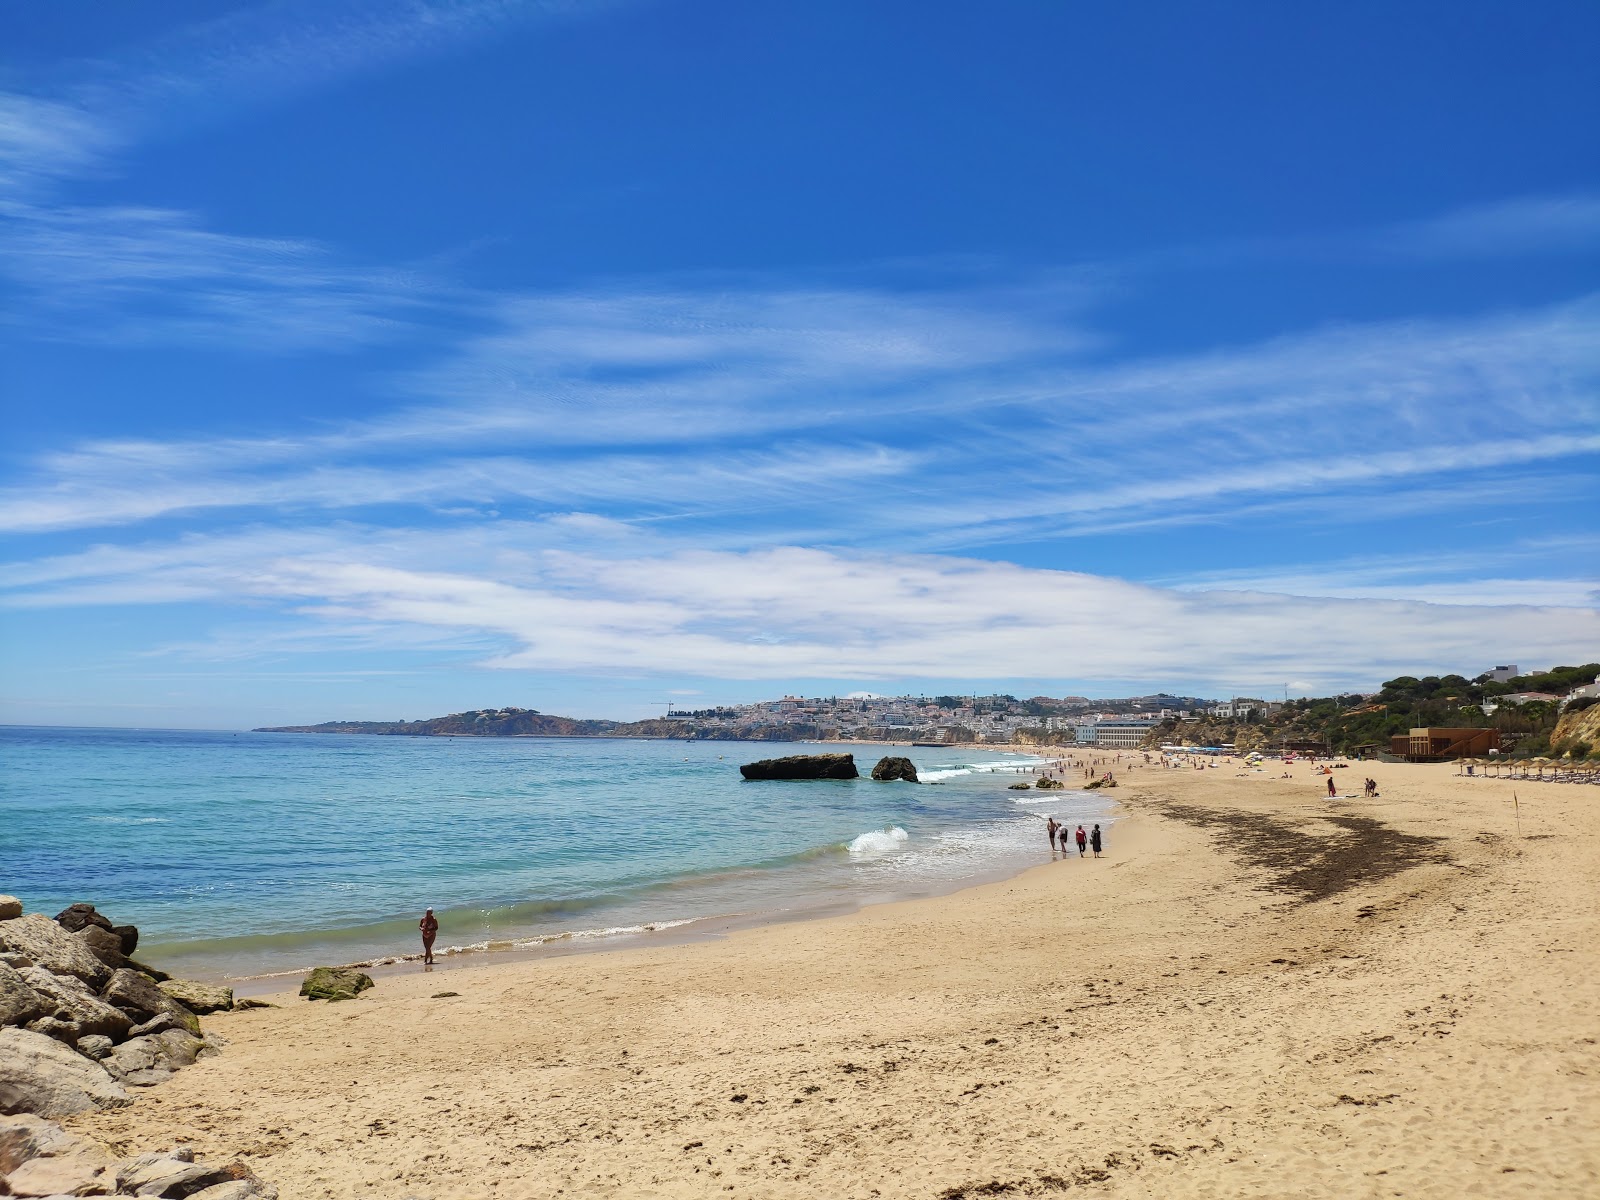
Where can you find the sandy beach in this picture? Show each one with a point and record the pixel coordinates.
(1257, 992)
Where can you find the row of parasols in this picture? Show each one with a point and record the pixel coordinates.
(1536, 770)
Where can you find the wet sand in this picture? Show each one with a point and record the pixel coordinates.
(1257, 992)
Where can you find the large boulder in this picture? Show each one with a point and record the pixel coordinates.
(24, 1136)
(138, 995)
(177, 1174)
(803, 766)
(77, 1011)
(148, 1060)
(39, 1158)
(334, 983)
(104, 945)
(19, 1003)
(40, 940)
(39, 1075)
(890, 768)
(10, 907)
(129, 935)
(78, 1168)
(199, 997)
(80, 916)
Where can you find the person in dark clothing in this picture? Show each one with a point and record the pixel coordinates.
(1083, 840)
(1094, 841)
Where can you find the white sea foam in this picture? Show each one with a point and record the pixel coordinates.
(573, 935)
(875, 843)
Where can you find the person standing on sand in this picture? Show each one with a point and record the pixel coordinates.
(1094, 841)
(1332, 791)
(1050, 828)
(1083, 839)
(430, 930)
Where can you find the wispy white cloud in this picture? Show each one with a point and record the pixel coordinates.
(869, 418)
(1521, 225)
(793, 613)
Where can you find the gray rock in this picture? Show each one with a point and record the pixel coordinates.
(890, 768)
(41, 940)
(41, 1076)
(139, 995)
(235, 1189)
(163, 1175)
(64, 1032)
(79, 916)
(95, 1046)
(19, 1003)
(199, 997)
(10, 907)
(16, 962)
(129, 935)
(146, 1060)
(71, 1001)
(104, 945)
(156, 1024)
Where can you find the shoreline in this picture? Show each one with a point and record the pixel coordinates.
(1194, 1015)
(666, 931)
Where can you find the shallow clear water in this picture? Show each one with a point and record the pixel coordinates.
(242, 853)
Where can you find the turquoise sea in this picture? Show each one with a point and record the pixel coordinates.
(242, 854)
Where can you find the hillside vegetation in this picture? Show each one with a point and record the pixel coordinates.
(1347, 722)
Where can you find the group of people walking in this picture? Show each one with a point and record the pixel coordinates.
(1056, 831)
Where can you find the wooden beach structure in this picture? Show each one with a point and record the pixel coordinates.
(1443, 743)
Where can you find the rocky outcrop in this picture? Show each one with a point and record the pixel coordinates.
(1577, 733)
(39, 1158)
(104, 945)
(201, 998)
(1049, 785)
(334, 983)
(41, 1076)
(803, 766)
(79, 1024)
(1019, 787)
(138, 994)
(67, 982)
(80, 917)
(74, 1011)
(45, 944)
(890, 768)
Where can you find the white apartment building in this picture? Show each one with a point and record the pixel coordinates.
(1114, 735)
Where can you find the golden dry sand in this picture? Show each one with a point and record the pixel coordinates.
(1256, 993)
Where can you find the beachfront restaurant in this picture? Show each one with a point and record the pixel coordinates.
(1441, 744)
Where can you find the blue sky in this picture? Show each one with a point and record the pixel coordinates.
(378, 360)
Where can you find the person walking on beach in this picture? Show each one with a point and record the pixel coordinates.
(1083, 839)
(1094, 841)
(1050, 828)
(430, 930)
(1332, 791)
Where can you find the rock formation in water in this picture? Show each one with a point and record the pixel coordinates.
(890, 768)
(803, 766)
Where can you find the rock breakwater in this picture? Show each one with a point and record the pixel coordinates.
(80, 1023)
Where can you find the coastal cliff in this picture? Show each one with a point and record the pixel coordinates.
(528, 722)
